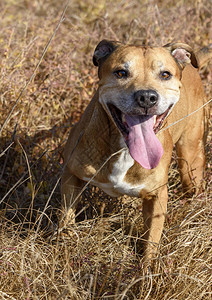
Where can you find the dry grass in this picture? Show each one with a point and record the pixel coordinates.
(96, 258)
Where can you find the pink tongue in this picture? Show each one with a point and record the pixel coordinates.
(143, 144)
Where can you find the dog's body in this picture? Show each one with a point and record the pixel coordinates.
(140, 91)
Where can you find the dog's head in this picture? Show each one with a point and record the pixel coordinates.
(138, 88)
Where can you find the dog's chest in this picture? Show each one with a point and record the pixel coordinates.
(116, 184)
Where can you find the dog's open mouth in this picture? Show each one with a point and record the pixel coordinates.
(139, 133)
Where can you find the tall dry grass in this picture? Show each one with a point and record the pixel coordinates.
(96, 258)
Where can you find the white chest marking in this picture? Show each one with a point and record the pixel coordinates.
(116, 184)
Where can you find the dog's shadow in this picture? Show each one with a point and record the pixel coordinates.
(29, 178)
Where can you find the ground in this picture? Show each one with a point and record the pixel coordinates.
(97, 258)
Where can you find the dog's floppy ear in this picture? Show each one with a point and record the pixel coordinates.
(103, 50)
(183, 54)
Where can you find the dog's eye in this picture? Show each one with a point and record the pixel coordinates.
(120, 73)
(165, 75)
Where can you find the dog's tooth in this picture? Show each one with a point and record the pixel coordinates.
(123, 118)
(155, 119)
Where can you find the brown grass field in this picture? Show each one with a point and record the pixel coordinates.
(96, 258)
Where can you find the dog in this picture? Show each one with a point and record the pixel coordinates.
(123, 143)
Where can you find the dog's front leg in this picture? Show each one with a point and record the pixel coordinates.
(154, 211)
(71, 187)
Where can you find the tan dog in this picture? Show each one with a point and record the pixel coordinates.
(141, 90)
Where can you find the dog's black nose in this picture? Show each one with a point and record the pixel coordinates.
(146, 98)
